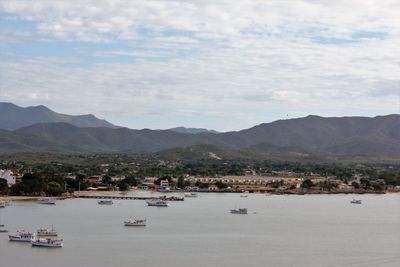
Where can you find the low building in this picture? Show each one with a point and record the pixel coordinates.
(8, 176)
(93, 179)
(164, 184)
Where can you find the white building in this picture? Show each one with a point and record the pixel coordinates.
(8, 175)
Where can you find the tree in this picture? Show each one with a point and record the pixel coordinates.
(4, 190)
(106, 179)
(307, 184)
(123, 186)
(181, 182)
(54, 189)
(355, 185)
(221, 185)
(131, 180)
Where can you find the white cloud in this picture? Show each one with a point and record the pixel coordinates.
(247, 62)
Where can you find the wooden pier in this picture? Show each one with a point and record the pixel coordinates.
(165, 198)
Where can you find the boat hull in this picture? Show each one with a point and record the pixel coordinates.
(44, 245)
(18, 239)
(134, 224)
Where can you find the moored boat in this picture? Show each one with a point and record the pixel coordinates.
(239, 211)
(105, 202)
(355, 201)
(2, 204)
(157, 202)
(46, 201)
(2, 230)
(47, 242)
(135, 222)
(46, 232)
(192, 194)
(21, 236)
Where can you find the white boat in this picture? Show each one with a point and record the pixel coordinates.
(2, 204)
(239, 211)
(135, 222)
(21, 236)
(46, 201)
(157, 202)
(46, 232)
(47, 242)
(355, 201)
(192, 194)
(105, 202)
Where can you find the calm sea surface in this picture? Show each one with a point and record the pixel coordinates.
(314, 230)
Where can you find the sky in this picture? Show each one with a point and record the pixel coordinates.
(216, 64)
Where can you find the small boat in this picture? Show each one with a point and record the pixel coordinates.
(192, 194)
(135, 222)
(243, 195)
(355, 201)
(46, 201)
(157, 202)
(46, 232)
(239, 211)
(105, 202)
(21, 236)
(2, 230)
(47, 242)
(2, 204)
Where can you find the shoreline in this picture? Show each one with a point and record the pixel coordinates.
(111, 193)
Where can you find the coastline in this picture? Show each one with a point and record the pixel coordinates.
(119, 193)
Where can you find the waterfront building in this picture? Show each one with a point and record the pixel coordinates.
(8, 176)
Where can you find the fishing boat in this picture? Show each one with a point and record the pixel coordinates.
(21, 236)
(355, 201)
(105, 202)
(135, 222)
(157, 203)
(239, 211)
(192, 194)
(47, 242)
(46, 232)
(46, 201)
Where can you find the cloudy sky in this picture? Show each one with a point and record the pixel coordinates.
(225, 65)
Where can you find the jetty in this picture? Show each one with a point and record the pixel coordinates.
(165, 198)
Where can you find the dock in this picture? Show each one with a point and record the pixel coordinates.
(165, 198)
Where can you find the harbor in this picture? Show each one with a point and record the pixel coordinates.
(202, 231)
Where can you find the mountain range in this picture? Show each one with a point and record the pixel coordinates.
(378, 136)
(13, 117)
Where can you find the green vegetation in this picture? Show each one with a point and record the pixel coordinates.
(4, 190)
(38, 184)
(54, 174)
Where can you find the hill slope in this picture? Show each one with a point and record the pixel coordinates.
(379, 136)
(13, 117)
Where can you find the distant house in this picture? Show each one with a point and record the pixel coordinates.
(164, 184)
(8, 176)
(93, 179)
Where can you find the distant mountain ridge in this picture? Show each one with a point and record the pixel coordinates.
(191, 130)
(13, 117)
(311, 135)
